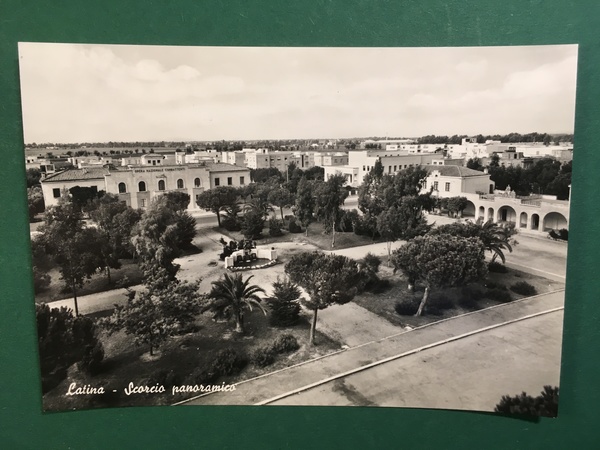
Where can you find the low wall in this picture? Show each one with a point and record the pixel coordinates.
(261, 253)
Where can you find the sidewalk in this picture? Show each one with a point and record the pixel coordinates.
(273, 386)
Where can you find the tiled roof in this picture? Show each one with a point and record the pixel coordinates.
(78, 174)
(454, 171)
(223, 167)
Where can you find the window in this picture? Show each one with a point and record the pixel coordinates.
(217, 181)
(122, 188)
(242, 181)
(447, 187)
(180, 184)
(395, 168)
(153, 162)
(364, 169)
(161, 185)
(197, 197)
(435, 185)
(56, 192)
(389, 169)
(197, 182)
(142, 203)
(424, 184)
(229, 181)
(142, 186)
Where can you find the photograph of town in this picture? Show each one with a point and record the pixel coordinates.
(381, 227)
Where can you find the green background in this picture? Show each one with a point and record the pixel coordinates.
(299, 23)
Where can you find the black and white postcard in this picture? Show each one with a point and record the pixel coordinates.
(382, 227)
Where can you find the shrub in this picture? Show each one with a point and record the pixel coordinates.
(523, 288)
(493, 285)
(561, 235)
(91, 362)
(263, 356)
(275, 227)
(498, 294)
(286, 343)
(41, 280)
(231, 223)
(472, 291)
(293, 227)
(369, 266)
(378, 286)
(225, 362)
(285, 307)
(440, 300)
(363, 227)
(407, 307)
(546, 404)
(497, 267)
(346, 223)
(470, 296)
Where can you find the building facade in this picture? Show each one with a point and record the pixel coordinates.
(137, 186)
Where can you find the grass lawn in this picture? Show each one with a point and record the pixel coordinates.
(125, 362)
(316, 236)
(98, 283)
(443, 304)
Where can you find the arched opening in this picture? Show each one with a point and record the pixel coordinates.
(523, 220)
(122, 188)
(554, 221)
(490, 215)
(197, 182)
(481, 213)
(469, 211)
(507, 214)
(161, 185)
(142, 186)
(180, 184)
(535, 222)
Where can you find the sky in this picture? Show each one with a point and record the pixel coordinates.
(99, 93)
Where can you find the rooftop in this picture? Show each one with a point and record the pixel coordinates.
(90, 173)
(454, 171)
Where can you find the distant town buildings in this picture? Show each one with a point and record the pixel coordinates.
(137, 178)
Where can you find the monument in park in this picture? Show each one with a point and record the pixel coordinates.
(244, 255)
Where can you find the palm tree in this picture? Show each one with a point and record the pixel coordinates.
(231, 295)
(496, 239)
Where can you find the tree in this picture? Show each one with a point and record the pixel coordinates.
(370, 202)
(35, 201)
(82, 195)
(495, 239)
(253, 223)
(177, 200)
(231, 295)
(156, 238)
(328, 279)
(64, 340)
(162, 309)
(330, 197)
(475, 164)
(545, 404)
(33, 177)
(218, 199)
(305, 203)
(389, 226)
(75, 249)
(456, 205)
(281, 197)
(441, 261)
(285, 304)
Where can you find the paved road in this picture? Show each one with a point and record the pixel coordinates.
(278, 385)
(463, 374)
